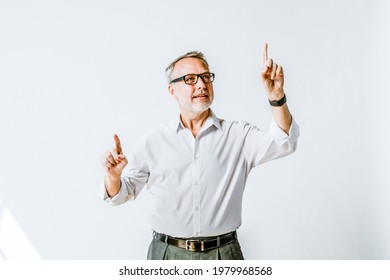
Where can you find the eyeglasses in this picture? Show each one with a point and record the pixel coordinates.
(192, 79)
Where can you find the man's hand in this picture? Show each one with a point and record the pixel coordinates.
(272, 76)
(114, 161)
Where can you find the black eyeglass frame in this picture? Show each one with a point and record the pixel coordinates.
(182, 78)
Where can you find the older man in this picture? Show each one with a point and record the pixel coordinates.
(197, 166)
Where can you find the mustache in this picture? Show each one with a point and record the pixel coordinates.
(202, 93)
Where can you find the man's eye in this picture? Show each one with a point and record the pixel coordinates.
(190, 79)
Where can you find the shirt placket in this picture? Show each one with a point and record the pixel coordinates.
(196, 189)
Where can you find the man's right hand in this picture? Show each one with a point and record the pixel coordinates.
(114, 161)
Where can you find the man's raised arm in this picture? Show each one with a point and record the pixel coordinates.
(273, 80)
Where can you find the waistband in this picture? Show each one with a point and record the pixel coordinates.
(197, 244)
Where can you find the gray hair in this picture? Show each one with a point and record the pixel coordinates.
(194, 54)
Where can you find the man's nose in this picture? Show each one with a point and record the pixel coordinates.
(200, 83)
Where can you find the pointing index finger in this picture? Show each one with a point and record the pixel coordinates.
(117, 144)
(265, 53)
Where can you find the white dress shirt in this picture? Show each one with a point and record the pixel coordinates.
(198, 183)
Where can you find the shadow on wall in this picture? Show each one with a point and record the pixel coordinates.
(14, 243)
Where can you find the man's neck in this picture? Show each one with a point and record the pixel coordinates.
(194, 121)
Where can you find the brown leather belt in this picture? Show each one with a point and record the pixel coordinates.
(197, 245)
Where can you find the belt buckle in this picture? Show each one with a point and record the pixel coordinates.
(190, 245)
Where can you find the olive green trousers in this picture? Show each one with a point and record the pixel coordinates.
(159, 250)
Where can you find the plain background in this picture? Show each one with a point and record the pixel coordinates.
(74, 72)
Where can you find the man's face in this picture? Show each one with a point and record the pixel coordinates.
(191, 98)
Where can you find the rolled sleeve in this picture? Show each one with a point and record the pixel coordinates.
(124, 194)
(273, 144)
(280, 137)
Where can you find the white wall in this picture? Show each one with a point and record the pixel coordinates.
(73, 72)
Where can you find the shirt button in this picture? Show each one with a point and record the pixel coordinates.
(196, 157)
(196, 208)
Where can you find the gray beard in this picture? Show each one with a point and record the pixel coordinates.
(198, 108)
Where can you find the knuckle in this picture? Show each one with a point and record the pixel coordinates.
(104, 157)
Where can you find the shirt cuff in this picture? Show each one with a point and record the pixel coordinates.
(117, 199)
(279, 136)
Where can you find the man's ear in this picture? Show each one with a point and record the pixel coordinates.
(171, 90)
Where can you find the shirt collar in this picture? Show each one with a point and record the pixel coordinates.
(211, 120)
(216, 121)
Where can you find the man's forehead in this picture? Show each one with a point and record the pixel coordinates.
(190, 64)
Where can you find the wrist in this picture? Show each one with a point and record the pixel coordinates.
(276, 94)
(113, 177)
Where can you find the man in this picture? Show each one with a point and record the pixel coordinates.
(196, 167)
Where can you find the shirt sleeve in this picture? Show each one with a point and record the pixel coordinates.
(133, 181)
(261, 147)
